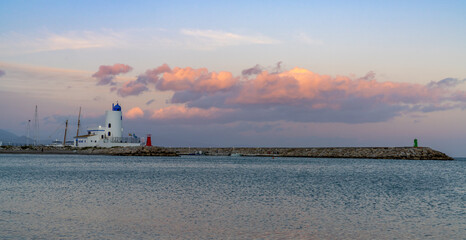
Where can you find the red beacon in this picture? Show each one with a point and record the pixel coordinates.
(148, 141)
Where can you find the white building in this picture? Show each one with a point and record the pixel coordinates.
(109, 135)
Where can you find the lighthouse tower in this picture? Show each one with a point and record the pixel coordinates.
(113, 128)
(110, 135)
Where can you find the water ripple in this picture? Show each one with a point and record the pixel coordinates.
(103, 197)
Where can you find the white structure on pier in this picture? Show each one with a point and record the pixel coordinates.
(109, 135)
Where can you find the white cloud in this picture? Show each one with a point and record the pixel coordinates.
(304, 38)
(78, 41)
(211, 39)
(13, 43)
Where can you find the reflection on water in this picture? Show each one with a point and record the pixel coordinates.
(198, 197)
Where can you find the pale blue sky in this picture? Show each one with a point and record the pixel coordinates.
(345, 37)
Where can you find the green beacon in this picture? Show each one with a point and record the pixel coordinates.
(415, 142)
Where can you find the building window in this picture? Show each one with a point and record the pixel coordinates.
(109, 134)
(109, 125)
(102, 136)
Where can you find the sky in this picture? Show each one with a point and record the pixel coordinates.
(240, 73)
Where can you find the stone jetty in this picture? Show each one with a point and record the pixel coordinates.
(415, 153)
(115, 151)
(128, 151)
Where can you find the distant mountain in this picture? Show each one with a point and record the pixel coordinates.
(5, 135)
(10, 138)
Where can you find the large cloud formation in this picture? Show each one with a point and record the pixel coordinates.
(106, 74)
(294, 95)
(180, 80)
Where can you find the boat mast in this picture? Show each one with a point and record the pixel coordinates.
(28, 132)
(79, 121)
(66, 129)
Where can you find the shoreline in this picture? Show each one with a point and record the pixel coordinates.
(408, 153)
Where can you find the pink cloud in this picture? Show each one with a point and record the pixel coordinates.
(106, 74)
(294, 95)
(300, 85)
(197, 80)
(140, 85)
(304, 96)
(132, 88)
(180, 79)
(153, 74)
(134, 113)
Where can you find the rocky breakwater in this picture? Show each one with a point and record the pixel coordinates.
(128, 151)
(372, 152)
(418, 153)
(36, 150)
(116, 151)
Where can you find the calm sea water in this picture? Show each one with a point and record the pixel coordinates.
(191, 197)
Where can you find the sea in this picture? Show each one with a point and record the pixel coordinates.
(211, 197)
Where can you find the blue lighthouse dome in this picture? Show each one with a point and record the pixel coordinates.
(116, 107)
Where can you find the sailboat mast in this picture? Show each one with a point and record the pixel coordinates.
(66, 129)
(28, 132)
(79, 122)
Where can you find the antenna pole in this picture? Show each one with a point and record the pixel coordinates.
(66, 129)
(79, 122)
(36, 128)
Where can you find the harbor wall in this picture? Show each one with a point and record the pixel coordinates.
(415, 153)
(420, 153)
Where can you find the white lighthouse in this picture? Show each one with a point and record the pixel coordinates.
(113, 121)
(109, 135)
